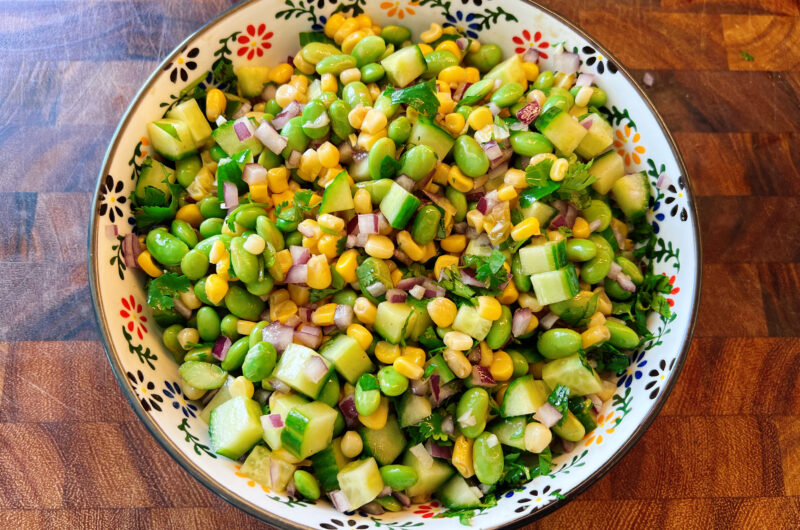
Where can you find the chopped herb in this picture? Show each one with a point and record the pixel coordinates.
(489, 269)
(747, 57)
(429, 371)
(430, 427)
(149, 215)
(559, 398)
(462, 294)
(539, 175)
(545, 462)
(368, 382)
(609, 359)
(163, 289)
(430, 340)
(421, 97)
(314, 36)
(230, 170)
(573, 187)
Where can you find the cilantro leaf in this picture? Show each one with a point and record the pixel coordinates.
(429, 340)
(314, 36)
(539, 174)
(149, 215)
(746, 56)
(163, 289)
(489, 269)
(559, 398)
(610, 359)
(368, 382)
(430, 427)
(230, 170)
(545, 462)
(461, 292)
(302, 199)
(421, 97)
(577, 177)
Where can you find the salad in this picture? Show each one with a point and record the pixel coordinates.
(395, 270)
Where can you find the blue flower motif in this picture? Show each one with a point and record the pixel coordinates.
(173, 391)
(633, 371)
(319, 25)
(463, 23)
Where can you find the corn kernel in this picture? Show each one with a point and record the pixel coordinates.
(299, 294)
(377, 420)
(190, 299)
(537, 437)
(502, 367)
(489, 308)
(254, 244)
(442, 263)
(347, 264)
(284, 258)
(454, 122)
(452, 47)
(386, 352)
(188, 336)
(416, 355)
(475, 220)
(506, 192)
(531, 71)
(244, 327)
(555, 235)
(346, 28)
(396, 276)
(319, 273)
(285, 310)
(351, 75)
(331, 222)
(300, 83)
(364, 21)
(352, 444)
(217, 252)
(278, 179)
(276, 297)
(215, 104)
(216, 288)
(598, 319)
(374, 121)
(366, 140)
(440, 173)
(559, 170)
(365, 310)
(304, 66)
(580, 228)
(406, 367)
(145, 261)
(454, 243)
(323, 315)
(432, 34)
(241, 387)
(425, 48)
(509, 294)
(452, 74)
(310, 166)
(361, 335)
(259, 192)
(328, 245)
(446, 103)
(285, 94)
(480, 118)
(462, 456)
(473, 74)
(356, 116)
(562, 80)
(516, 178)
(526, 228)
(442, 311)
(457, 340)
(487, 355)
(333, 24)
(374, 90)
(328, 155)
(350, 42)
(595, 335)
(281, 73)
(379, 246)
(191, 214)
(458, 180)
(457, 362)
(583, 96)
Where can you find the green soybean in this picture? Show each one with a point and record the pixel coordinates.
(470, 157)
(202, 375)
(598, 267)
(199, 353)
(615, 291)
(306, 484)
(559, 342)
(389, 503)
(372, 73)
(210, 207)
(544, 80)
(598, 98)
(336, 64)
(521, 365)
(418, 162)
(487, 458)
(459, 202)
(259, 361)
(269, 232)
(326, 98)
(621, 335)
(377, 189)
(521, 280)
(314, 52)
(385, 105)
(345, 297)
(474, 403)
(477, 91)
(437, 61)
(368, 50)
(580, 249)
(340, 124)
(170, 338)
(245, 265)
(528, 143)
(399, 477)
(392, 382)
(426, 224)
(396, 35)
(296, 139)
(500, 330)
(194, 265)
(263, 285)
(292, 238)
(269, 160)
(507, 95)
(200, 291)
(236, 354)
(205, 245)
(257, 333)
(356, 93)
(229, 326)
(272, 107)
(330, 392)
(186, 169)
(217, 153)
(377, 153)
(311, 112)
(629, 268)
(208, 323)
(597, 210)
(487, 57)
(400, 130)
(211, 227)
(166, 248)
(556, 101)
(243, 304)
(367, 401)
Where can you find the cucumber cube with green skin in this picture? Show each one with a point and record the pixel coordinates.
(404, 65)
(457, 494)
(470, 322)
(227, 139)
(171, 138)
(327, 464)
(421, 322)
(426, 132)
(543, 212)
(511, 431)
(235, 427)
(156, 175)
(607, 169)
(360, 481)
(252, 80)
(509, 71)
(441, 369)
(384, 444)
(280, 404)
(476, 247)
(599, 136)
(337, 197)
(572, 372)
(256, 466)
(281, 471)
(308, 429)
(431, 477)
(222, 395)
(555, 286)
(348, 357)
(412, 409)
(399, 206)
(571, 430)
(632, 193)
(524, 396)
(541, 256)
(189, 113)
(393, 320)
(291, 370)
(562, 129)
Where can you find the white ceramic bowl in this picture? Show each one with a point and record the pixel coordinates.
(264, 32)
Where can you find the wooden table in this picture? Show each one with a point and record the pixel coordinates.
(725, 450)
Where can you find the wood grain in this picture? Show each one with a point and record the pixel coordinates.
(724, 451)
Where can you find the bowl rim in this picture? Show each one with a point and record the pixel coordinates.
(269, 517)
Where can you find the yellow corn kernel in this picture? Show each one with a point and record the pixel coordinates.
(425, 48)
(259, 192)
(285, 94)
(595, 335)
(454, 122)
(430, 251)
(526, 228)
(361, 335)
(440, 173)
(432, 34)
(374, 121)
(598, 319)
(145, 261)
(454, 243)
(462, 456)
(416, 355)
(480, 118)
(244, 327)
(351, 75)
(379, 246)
(580, 228)
(458, 180)
(407, 244)
(487, 355)
(300, 83)
(475, 220)
(365, 310)
(489, 308)
(363, 201)
(529, 301)
(583, 96)
(374, 90)
(377, 420)
(442, 263)
(446, 103)
(310, 165)
(509, 294)
(278, 179)
(333, 24)
(407, 367)
(323, 315)
(350, 41)
(309, 228)
(356, 116)
(276, 297)
(473, 74)
(555, 235)
(285, 310)
(516, 178)
(386, 352)
(559, 170)
(457, 362)
(432, 187)
(224, 269)
(281, 73)
(562, 80)
(327, 245)
(347, 264)
(299, 294)
(366, 140)
(396, 275)
(215, 104)
(603, 302)
(452, 74)
(190, 299)
(284, 258)
(452, 47)
(216, 288)
(331, 222)
(457, 340)
(619, 227)
(531, 71)
(319, 273)
(217, 252)
(502, 367)
(304, 66)
(328, 155)
(328, 83)
(364, 21)
(352, 444)
(191, 214)
(254, 244)
(346, 28)
(506, 192)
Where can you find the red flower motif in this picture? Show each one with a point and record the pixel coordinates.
(133, 311)
(428, 510)
(531, 41)
(254, 41)
(675, 290)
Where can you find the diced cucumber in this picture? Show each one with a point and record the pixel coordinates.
(281, 470)
(384, 444)
(543, 256)
(226, 138)
(632, 193)
(252, 80)
(562, 129)
(398, 206)
(337, 197)
(430, 478)
(607, 169)
(256, 466)
(421, 322)
(360, 481)
(393, 320)
(348, 357)
(511, 431)
(470, 322)
(457, 494)
(154, 174)
(509, 71)
(327, 464)
(291, 370)
(171, 138)
(426, 132)
(279, 404)
(235, 427)
(572, 372)
(404, 65)
(441, 369)
(308, 429)
(599, 136)
(222, 395)
(584, 411)
(202, 375)
(555, 286)
(543, 212)
(412, 409)
(571, 430)
(523, 396)
(189, 113)
(478, 247)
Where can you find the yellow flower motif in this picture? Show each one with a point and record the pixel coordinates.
(627, 146)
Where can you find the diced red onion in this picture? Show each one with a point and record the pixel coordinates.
(315, 369)
(300, 255)
(407, 283)
(275, 420)
(482, 205)
(405, 182)
(268, 136)
(254, 173)
(468, 277)
(261, 395)
(482, 377)
(518, 126)
(358, 155)
(458, 93)
(340, 501)
(423, 456)
(506, 156)
(291, 489)
(376, 289)
(274, 472)
(558, 221)
(243, 109)
(383, 225)
(402, 498)
(648, 79)
(292, 110)
(663, 181)
(547, 321)
(584, 80)
(496, 171)
(531, 55)
(402, 257)
(243, 128)
(278, 335)
(567, 446)
(372, 508)
(439, 451)
(596, 401)
(348, 408)
(279, 385)
(435, 292)
(618, 235)
(420, 387)
(462, 43)
(221, 346)
(566, 62)
(131, 250)
(626, 283)
(467, 419)
(231, 195)
(441, 202)
(587, 122)
(293, 161)
(529, 112)
(293, 321)
(521, 321)
(221, 120)
(492, 150)
(614, 271)
(345, 152)
(343, 316)
(560, 205)
(570, 216)
(396, 296)
(547, 415)
(309, 335)
(417, 292)
(387, 490)
(368, 223)
(297, 275)
(445, 391)
(448, 425)
(305, 313)
(594, 225)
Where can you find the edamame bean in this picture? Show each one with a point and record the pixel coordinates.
(559, 342)
(306, 484)
(378, 152)
(571, 430)
(597, 210)
(630, 268)
(200, 291)
(259, 361)
(208, 323)
(437, 61)
(170, 338)
(356, 93)
(521, 365)
(186, 169)
(345, 297)
(598, 98)
(544, 80)
(400, 130)
(243, 304)
(292, 238)
(580, 249)
(368, 50)
(340, 124)
(396, 35)
(470, 157)
(211, 227)
(399, 477)
(597, 268)
(487, 458)
(269, 232)
(459, 202)
(257, 333)
(487, 57)
(615, 291)
(236, 354)
(377, 189)
(330, 391)
(621, 335)
(473, 405)
(194, 264)
(426, 224)
(577, 310)
(385, 105)
(272, 107)
(210, 207)
(297, 140)
(336, 64)
(521, 280)
(367, 400)
(166, 248)
(392, 382)
(217, 153)
(269, 160)
(326, 98)
(314, 52)
(229, 326)
(200, 353)
(556, 100)
(245, 265)
(372, 72)
(389, 503)
(500, 330)
(261, 287)
(507, 95)
(476, 92)
(202, 375)
(311, 112)
(418, 162)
